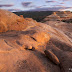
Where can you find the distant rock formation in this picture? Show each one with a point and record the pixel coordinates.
(53, 17)
(58, 16)
(64, 15)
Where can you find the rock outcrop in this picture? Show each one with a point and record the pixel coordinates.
(59, 56)
(23, 42)
(58, 52)
(10, 21)
(58, 16)
(53, 17)
(65, 27)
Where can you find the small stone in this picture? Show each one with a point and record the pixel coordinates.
(29, 47)
(33, 48)
(52, 56)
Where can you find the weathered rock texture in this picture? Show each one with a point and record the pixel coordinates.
(10, 21)
(19, 36)
(60, 54)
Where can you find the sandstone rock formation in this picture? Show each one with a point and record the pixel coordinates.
(52, 17)
(65, 27)
(10, 21)
(58, 52)
(60, 56)
(58, 16)
(19, 36)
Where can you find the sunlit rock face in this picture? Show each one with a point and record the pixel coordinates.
(17, 35)
(62, 21)
(23, 42)
(10, 21)
(63, 26)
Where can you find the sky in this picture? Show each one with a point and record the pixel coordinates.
(36, 5)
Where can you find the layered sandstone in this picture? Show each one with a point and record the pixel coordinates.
(23, 42)
(10, 21)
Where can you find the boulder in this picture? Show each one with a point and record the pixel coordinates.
(52, 56)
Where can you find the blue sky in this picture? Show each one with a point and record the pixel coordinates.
(36, 5)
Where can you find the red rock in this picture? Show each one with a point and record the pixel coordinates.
(10, 21)
(21, 16)
(20, 33)
(52, 56)
(58, 16)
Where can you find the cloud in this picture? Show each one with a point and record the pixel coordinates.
(67, 9)
(66, 0)
(58, 5)
(39, 7)
(26, 4)
(50, 1)
(44, 5)
(50, 9)
(6, 5)
(14, 10)
(32, 6)
(0, 0)
(62, 3)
